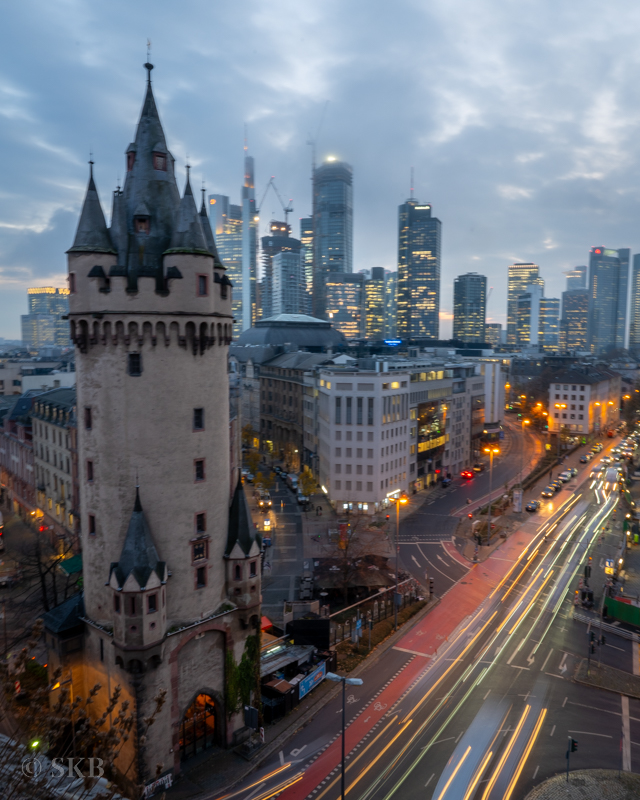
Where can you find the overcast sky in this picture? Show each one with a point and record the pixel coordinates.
(520, 118)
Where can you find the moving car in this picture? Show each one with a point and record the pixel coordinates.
(478, 467)
(586, 458)
(264, 500)
(548, 491)
(534, 505)
(446, 481)
(466, 474)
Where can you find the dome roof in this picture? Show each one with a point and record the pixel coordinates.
(300, 329)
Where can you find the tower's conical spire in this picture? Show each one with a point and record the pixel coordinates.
(92, 235)
(208, 232)
(139, 555)
(187, 234)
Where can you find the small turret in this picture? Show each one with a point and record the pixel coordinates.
(92, 235)
(242, 553)
(187, 235)
(138, 582)
(208, 234)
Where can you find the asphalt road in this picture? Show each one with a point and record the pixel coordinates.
(422, 532)
(490, 716)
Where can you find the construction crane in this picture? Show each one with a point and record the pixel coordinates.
(287, 209)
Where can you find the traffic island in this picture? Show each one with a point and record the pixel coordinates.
(610, 678)
(589, 784)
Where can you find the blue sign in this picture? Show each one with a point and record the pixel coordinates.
(312, 680)
(393, 342)
(501, 434)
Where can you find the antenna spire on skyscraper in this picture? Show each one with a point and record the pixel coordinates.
(411, 188)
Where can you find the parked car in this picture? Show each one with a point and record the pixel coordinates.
(466, 473)
(248, 476)
(557, 485)
(573, 471)
(292, 482)
(548, 491)
(446, 481)
(585, 459)
(564, 476)
(302, 499)
(277, 470)
(532, 506)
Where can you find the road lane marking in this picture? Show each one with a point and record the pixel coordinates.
(535, 773)
(487, 694)
(516, 651)
(593, 708)
(281, 755)
(414, 652)
(626, 735)
(545, 661)
(256, 790)
(553, 730)
(351, 763)
(459, 735)
(454, 773)
(590, 733)
(430, 779)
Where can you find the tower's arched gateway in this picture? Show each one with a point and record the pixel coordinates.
(163, 533)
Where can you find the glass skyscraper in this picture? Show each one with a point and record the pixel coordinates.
(306, 239)
(44, 325)
(608, 291)
(374, 304)
(469, 307)
(278, 241)
(634, 314)
(576, 278)
(345, 304)
(226, 223)
(332, 227)
(390, 305)
(419, 237)
(549, 323)
(520, 277)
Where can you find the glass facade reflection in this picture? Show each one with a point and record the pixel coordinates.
(345, 305)
(469, 307)
(608, 287)
(374, 291)
(419, 237)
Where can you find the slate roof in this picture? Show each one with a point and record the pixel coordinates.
(139, 555)
(588, 375)
(304, 331)
(241, 529)
(92, 235)
(67, 616)
(188, 235)
(208, 234)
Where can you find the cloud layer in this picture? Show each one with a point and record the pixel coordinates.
(520, 120)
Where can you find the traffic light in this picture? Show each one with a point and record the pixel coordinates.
(603, 641)
(587, 571)
(470, 515)
(430, 585)
(574, 745)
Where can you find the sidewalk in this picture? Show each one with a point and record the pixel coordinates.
(589, 784)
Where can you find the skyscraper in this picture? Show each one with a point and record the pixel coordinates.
(288, 294)
(634, 314)
(44, 325)
(306, 239)
(249, 244)
(374, 304)
(573, 325)
(549, 324)
(345, 305)
(332, 226)
(279, 240)
(469, 307)
(493, 334)
(520, 277)
(528, 316)
(576, 278)
(226, 222)
(390, 305)
(418, 271)
(608, 291)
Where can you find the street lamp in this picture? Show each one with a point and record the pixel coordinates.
(332, 676)
(492, 451)
(401, 499)
(524, 422)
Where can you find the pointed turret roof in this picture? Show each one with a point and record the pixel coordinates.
(188, 235)
(208, 233)
(92, 235)
(139, 555)
(240, 524)
(151, 186)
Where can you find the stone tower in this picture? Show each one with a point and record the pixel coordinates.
(171, 560)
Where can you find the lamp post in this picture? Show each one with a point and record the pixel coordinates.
(332, 676)
(492, 451)
(401, 499)
(524, 422)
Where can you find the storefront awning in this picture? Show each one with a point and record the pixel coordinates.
(297, 654)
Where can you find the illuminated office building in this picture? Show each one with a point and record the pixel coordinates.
(573, 325)
(306, 240)
(520, 277)
(46, 325)
(469, 307)
(419, 237)
(493, 334)
(374, 304)
(390, 305)
(528, 317)
(634, 314)
(226, 222)
(332, 227)
(576, 278)
(549, 324)
(608, 288)
(345, 303)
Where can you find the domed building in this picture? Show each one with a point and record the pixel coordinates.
(299, 330)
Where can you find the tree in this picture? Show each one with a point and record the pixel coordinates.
(307, 482)
(248, 435)
(252, 460)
